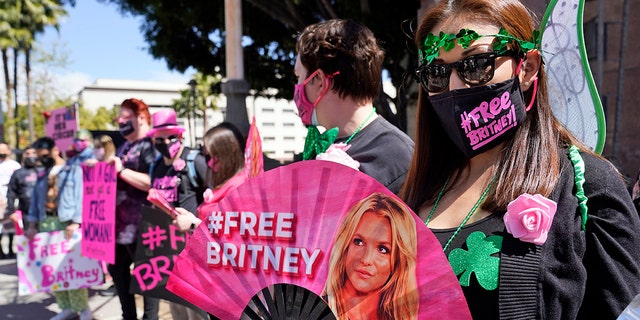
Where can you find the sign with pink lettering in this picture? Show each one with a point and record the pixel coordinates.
(99, 212)
(158, 245)
(61, 124)
(51, 263)
(315, 239)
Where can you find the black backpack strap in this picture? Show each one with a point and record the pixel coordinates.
(153, 165)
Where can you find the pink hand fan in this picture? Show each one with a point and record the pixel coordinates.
(310, 240)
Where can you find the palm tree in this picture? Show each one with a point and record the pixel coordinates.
(195, 104)
(9, 17)
(36, 15)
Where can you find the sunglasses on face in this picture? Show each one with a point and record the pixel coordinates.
(171, 138)
(474, 70)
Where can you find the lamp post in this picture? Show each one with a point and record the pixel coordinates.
(192, 83)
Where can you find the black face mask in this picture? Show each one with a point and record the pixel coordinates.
(3, 156)
(47, 161)
(30, 162)
(126, 128)
(479, 118)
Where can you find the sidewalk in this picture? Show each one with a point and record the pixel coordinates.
(42, 306)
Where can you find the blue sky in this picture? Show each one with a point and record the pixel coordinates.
(102, 43)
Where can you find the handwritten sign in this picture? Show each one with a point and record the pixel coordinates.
(159, 242)
(51, 263)
(61, 125)
(99, 212)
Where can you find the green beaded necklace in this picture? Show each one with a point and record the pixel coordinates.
(361, 125)
(464, 221)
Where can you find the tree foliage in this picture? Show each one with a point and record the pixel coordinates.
(190, 33)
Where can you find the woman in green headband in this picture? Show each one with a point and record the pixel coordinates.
(534, 223)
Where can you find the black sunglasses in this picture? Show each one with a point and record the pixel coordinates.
(171, 138)
(474, 70)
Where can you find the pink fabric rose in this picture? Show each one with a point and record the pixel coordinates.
(337, 152)
(529, 217)
(178, 164)
(208, 196)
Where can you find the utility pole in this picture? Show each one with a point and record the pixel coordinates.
(236, 88)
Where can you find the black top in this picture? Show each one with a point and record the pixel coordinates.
(20, 187)
(174, 184)
(384, 152)
(575, 274)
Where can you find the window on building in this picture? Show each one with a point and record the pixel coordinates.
(268, 110)
(268, 124)
(288, 124)
(289, 138)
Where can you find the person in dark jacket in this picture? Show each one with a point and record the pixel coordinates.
(20, 188)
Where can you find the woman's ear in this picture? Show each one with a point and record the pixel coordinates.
(530, 67)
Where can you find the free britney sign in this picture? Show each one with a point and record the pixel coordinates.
(99, 212)
(321, 226)
(51, 263)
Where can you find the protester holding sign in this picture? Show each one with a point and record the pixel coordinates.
(372, 267)
(132, 164)
(339, 70)
(177, 175)
(67, 214)
(535, 225)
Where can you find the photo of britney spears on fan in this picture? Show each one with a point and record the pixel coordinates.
(373, 262)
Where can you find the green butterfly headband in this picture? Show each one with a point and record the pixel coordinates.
(433, 43)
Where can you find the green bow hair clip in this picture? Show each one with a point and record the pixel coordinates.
(317, 143)
(432, 43)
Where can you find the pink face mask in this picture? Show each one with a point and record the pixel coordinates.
(79, 145)
(213, 164)
(305, 107)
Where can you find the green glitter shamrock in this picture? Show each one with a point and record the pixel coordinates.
(478, 260)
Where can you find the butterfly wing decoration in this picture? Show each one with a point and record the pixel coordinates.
(572, 93)
(263, 251)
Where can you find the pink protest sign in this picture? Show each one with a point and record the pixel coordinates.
(61, 124)
(325, 230)
(51, 263)
(99, 212)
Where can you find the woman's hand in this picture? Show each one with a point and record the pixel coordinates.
(90, 162)
(185, 219)
(31, 232)
(70, 230)
(117, 162)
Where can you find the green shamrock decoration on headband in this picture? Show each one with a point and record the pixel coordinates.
(432, 43)
(478, 259)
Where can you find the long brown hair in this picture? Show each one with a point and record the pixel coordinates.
(530, 162)
(225, 142)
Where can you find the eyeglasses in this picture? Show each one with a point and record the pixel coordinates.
(474, 70)
(171, 138)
